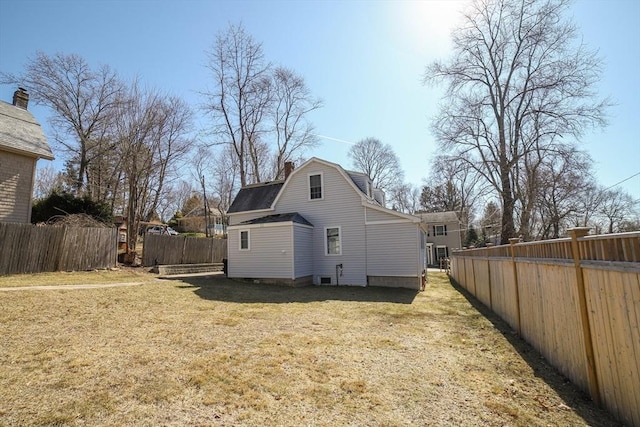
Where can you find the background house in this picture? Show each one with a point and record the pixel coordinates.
(195, 222)
(444, 233)
(22, 143)
(323, 225)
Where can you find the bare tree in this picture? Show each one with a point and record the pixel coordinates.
(239, 100)
(83, 101)
(47, 181)
(292, 103)
(454, 187)
(517, 82)
(617, 206)
(225, 180)
(559, 189)
(172, 143)
(378, 161)
(405, 198)
(151, 130)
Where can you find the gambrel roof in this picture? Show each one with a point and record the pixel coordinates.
(256, 197)
(21, 133)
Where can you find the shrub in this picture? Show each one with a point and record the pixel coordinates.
(63, 203)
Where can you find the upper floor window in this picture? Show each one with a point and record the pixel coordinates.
(439, 230)
(315, 186)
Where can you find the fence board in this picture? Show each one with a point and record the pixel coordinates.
(26, 248)
(166, 250)
(482, 280)
(614, 298)
(550, 309)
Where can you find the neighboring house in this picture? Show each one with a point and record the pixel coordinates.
(323, 225)
(22, 143)
(194, 222)
(444, 234)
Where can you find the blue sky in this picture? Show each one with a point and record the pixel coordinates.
(365, 59)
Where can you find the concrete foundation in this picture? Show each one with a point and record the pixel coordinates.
(395, 281)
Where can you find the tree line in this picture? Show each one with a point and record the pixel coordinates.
(127, 146)
(520, 93)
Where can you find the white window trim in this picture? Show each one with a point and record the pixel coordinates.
(309, 175)
(248, 248)
(441, 247)
(326, 241)
(435, 228)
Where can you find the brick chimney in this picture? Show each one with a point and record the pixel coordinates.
(21, 98)
(288, 168)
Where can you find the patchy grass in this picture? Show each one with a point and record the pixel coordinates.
(219, 352)
(76, 278)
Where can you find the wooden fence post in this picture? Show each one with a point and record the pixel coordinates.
(512, 242)
(575, 234)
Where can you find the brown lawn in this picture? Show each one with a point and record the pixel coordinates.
(222, 353)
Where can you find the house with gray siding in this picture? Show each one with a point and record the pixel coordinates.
(444, 234)
(22, 143)
(323, 225)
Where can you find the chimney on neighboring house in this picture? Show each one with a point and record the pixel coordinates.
(21, 98)
(288, 168)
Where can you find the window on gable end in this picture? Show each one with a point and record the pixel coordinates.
(315, 187)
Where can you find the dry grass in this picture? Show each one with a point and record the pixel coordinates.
(218, 352)
(75, 278)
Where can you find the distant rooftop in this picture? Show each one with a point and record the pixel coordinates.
(438, 217)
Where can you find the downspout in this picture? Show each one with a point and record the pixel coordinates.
(366, 248)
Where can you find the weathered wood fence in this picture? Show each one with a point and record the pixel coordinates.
(576, 300)
(26, 248)
(163, 250)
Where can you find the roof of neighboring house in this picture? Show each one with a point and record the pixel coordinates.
(199, 212)
(256, 197)
(21, 133)
(438, 217)
(287, 217)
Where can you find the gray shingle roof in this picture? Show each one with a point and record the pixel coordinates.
(255, 197)
(21, 133)
(438, 217)
(287, 217)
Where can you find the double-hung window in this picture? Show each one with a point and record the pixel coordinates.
(333, 241)
(439, 230)
(315, 187)
(244, 240)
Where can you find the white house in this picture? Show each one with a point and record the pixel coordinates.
(323, 225)
(22, 143)
(444, 234)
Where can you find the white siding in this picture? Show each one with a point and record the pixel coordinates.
(270, 254)
(393, 250)
(16, 186)
(303, 251)
(378, 215)
(341, 206)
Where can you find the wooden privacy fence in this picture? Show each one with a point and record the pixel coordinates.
(164, 250)
(26, 248)
(576, 300)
